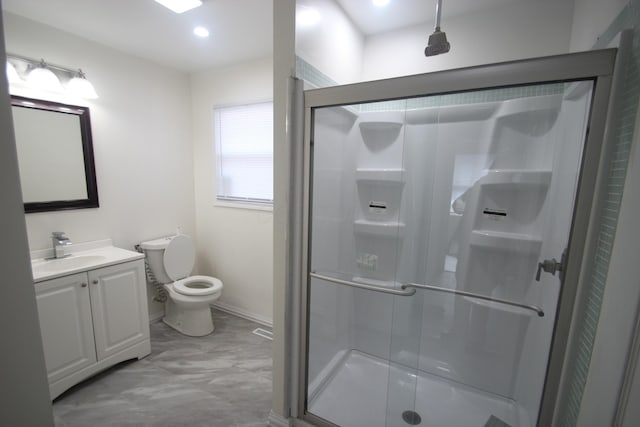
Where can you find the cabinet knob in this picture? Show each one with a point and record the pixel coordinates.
(84, 285)
(95, 281)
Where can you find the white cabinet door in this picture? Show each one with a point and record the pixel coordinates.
(65, 325)
(119, 305)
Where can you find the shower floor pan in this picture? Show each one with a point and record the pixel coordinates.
(356, 396)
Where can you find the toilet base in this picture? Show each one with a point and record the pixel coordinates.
(189, 315)
(198, 331)
(194, 323)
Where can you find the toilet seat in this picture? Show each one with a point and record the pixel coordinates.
(198, 286)
(179, 257)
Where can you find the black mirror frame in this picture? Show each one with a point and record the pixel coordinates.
(87, 149)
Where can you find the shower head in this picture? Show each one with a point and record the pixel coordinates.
(437, 43)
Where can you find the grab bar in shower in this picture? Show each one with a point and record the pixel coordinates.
(533, 308)
(403, 292)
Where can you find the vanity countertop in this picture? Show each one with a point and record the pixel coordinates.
(84, 257)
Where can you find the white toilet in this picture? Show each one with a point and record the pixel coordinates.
(187, 309)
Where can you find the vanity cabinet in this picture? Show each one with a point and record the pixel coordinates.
(92, 320)
(66, 327)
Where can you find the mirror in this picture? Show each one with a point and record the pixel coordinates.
(55, 155)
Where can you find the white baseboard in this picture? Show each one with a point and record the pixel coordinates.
(155, 317)
(228, 308)
(277, 420)
(243, 313)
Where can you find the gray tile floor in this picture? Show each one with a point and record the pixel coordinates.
(221, 380)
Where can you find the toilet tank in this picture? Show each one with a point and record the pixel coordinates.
(154, 252)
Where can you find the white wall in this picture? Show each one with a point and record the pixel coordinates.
(234, 244)
(590, 19)
(513, 31)
(283, 70)
(24, 390)
(334, 45)
(141, 139)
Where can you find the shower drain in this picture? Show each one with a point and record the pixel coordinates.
(411, 417)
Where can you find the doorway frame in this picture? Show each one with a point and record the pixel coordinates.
(597, 65)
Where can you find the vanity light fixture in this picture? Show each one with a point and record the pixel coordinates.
(40, 75)
(42, 78)
(12, 74)
(80, 86)
(179, 6)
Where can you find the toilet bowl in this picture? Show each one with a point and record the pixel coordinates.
(187, 308)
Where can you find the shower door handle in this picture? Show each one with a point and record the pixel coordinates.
(401, 292)
(530, 307)
(552, 266)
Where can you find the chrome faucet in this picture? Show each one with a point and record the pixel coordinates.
(60, 242)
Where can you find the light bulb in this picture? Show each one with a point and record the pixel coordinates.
(80, 86)
(12, 74)
(42, 78)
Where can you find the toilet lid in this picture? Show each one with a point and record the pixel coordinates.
(198, 285)
(179, 257)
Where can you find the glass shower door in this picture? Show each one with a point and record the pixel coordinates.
(434, 224)
(357, 227)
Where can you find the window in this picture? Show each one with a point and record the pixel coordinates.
(243, 137)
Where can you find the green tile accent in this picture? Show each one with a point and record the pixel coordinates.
(315, 77)
(471, 97)
(587, 323)
(312, 75)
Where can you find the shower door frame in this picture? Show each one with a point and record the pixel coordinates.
(597, 66)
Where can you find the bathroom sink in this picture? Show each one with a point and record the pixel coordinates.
(84, 257)
(64, 264)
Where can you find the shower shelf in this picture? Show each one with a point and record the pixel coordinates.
(395, 176)
(380, 130)
(519, 177)
(511, 242)
(379, 228)
(380, 126)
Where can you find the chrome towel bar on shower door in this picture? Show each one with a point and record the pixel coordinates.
(404, 292)
(533, 308)
(410, 289)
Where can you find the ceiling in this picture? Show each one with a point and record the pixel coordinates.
(240, 30)
(403, 13)
(146, 29)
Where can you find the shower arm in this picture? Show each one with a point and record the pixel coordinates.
(438, 14)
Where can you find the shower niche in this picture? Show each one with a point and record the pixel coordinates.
(503, 216)
(378, 226)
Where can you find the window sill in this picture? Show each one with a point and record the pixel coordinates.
(243, 205)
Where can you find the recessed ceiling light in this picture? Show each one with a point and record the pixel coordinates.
(380, 3)
(179, 6)
(201, 32)
(307, 16)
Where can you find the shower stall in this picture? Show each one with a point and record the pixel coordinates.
(444, 230)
